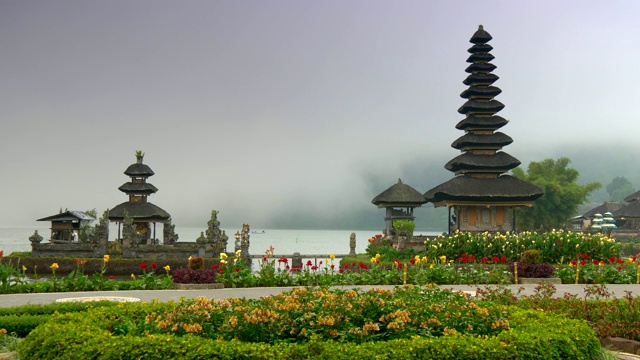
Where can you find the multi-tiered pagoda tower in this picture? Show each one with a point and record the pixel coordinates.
(143, 212)
(481, 194)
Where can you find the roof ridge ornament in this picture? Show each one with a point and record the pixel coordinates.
(139, 156)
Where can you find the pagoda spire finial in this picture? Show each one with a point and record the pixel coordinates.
(139, 156)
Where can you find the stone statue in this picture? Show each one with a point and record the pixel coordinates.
(100, 233)
(213, 232)
(130, 236)
(169, 236)
(352, 244)
(201, 239)
(35, 238)
(222, 244)
(244, 239)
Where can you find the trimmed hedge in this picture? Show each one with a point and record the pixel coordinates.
(94, 335)
(21, 320)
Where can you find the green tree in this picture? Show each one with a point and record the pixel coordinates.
(619, 188)
(562, 194)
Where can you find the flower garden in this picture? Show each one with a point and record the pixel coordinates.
(419, 320)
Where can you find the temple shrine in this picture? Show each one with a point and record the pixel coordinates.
(482, 196)
(138, 207)
(399, 200)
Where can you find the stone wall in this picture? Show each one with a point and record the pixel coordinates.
(76, 250)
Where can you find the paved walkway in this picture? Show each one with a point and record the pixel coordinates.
(616, 290)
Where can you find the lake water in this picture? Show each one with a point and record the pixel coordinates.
(284, 241)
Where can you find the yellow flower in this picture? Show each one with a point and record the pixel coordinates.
(332, 256)
(54, 266)
(167, 268)
(601, 263)
(106, 258)
(443, 258)
(24, 268)
(223, 256)
(373, 260)
(238, 253)
(431, 266)
(133, 276)
(377, 256)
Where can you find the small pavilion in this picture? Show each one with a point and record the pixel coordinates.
(138, 207)
(399, 201)
(64, 224)
(481, 193)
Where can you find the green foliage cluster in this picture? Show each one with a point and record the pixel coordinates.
(21, 320)
(404, 227)
(531, 257)
(40, 266)
(562, 194)
(619, 188)
(14, 280)
(121, 331)
(607, 317)
(555, 246)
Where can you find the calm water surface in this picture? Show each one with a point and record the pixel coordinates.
(284, 241)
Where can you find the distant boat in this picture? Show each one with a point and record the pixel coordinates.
(258, 232)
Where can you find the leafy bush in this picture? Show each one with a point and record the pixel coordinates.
(191, 276)
(531, 257)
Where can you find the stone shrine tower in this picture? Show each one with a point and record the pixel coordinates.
(481, 193)
(143, 212)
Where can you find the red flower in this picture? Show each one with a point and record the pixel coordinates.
(1, 254)
(583, 262)
(596, 262)
(283, 260)
(320, 262)
(362, 265)
(154, 266)
(619, 268)
(612, 259)
(484, 260)
(333, 266)
(314, 268)
(214, 267)
(495, 259)
(237, 269)
(264, 259)
(620, 261)
(309, 263)
(574, 262)
(503, 259)
(585, 256)
(111, 277)
(472, 258)
(413, 261)
(143, 266)
(346, 266)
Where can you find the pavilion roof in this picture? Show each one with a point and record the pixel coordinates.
(140, 211)
(399, 195)
(138, 188)
(465, 188)
(68, 216)
(608, 206)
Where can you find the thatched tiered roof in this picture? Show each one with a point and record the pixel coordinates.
(481, 168)
(399, 195)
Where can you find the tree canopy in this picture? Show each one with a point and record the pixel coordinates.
(619, 188)
(562, 194)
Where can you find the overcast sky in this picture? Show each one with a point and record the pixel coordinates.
(261, 109)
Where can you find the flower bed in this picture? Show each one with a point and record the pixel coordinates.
(315, 323)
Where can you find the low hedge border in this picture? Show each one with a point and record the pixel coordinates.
(21, 320)
(93, 335)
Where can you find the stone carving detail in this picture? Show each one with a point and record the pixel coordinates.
(101, 230)
(201, 239)
(169, 235)
(35, 238)
(244, 240)
(130, 236)
(213, 229)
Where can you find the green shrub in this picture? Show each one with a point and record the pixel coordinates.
(531, 257)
